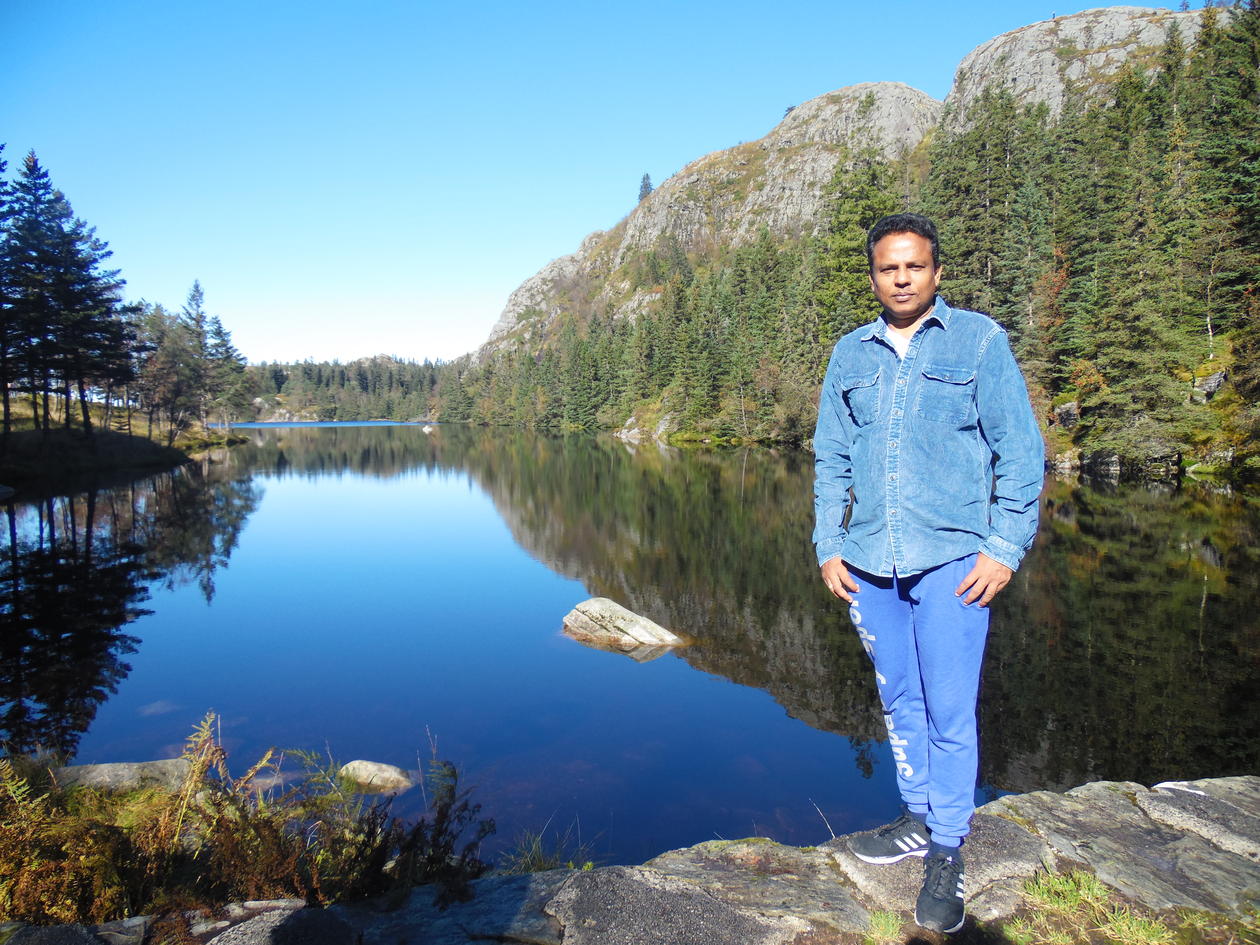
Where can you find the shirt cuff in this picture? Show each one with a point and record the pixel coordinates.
(1002, 551)
(829, 549)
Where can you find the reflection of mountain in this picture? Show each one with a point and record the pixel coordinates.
(1126, 648)
(713, 544)
(77, 569)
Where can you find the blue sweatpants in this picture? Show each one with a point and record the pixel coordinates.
(927, 646)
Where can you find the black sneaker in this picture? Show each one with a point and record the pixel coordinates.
(940, 905)
(905, 836)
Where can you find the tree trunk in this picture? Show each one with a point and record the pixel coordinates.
(83, 406)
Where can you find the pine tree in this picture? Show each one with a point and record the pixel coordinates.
(645, 188)
(63, 308)
(10, 344)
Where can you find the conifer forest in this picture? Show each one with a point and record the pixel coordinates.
(1118, 242)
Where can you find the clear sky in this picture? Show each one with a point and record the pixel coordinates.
(371, 177)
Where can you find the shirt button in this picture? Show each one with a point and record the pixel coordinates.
(892, 511)
(901, 380)
(892, 477)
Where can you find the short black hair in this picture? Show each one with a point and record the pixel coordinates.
(914, 223)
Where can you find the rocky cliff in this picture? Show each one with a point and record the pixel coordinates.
(1040, 62)
(725, 198)
(778, 182)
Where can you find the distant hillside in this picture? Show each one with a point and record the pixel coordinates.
(723, 199)
(1094, 177)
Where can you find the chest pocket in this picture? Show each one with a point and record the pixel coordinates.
(946, 394)
(861, 394)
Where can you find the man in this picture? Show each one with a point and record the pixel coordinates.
(928, 467)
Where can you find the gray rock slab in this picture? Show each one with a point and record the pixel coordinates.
(619, 905)
(289, 927)
(604, 623)
(503, 909)
(1184, 807)
(1102, 826)
(1242, 792)
(887, 886)
(125, 775)
(998, 854)
(771, 880)
(123, 931)
(257, 905)
(53, 935)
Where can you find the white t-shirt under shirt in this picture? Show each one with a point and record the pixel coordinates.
(900, 343)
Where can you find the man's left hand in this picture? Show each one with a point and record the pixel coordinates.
(984, 580)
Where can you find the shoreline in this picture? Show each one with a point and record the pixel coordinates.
(1180, 856)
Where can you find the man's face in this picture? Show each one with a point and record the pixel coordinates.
(903, 276)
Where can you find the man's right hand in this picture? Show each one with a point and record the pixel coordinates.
(838, 579)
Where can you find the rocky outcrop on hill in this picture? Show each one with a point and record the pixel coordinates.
(778, 182)
(1038, 63)
(724, 198)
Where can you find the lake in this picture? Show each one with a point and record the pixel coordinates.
(375, 591)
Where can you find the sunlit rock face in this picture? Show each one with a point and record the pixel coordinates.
(723, 198)
(778, 182)
(1042, 61)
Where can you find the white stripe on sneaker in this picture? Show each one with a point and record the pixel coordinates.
(917, 838)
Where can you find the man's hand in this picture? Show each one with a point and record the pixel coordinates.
(984, 580)
(838, 579)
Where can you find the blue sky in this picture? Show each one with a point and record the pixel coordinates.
(348, 179)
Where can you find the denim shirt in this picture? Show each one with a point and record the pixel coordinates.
(927, 458)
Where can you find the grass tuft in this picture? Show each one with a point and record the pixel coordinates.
(1076, 909)
(884, 927)
(534, 853)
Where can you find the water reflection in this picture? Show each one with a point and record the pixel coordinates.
(77, 570)
(1127, 647)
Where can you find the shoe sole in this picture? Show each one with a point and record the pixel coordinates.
(880, 860)
(931, 927)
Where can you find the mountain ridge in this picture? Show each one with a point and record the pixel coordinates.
(779, 182)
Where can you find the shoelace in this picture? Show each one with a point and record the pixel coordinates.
(901, 825)
(943, 877)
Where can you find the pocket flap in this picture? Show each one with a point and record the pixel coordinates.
(856, 381)
(948, 374)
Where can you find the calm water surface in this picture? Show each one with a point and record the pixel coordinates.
(369, 591)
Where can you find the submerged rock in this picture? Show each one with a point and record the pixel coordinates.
(125, 775)
(377, 778)
(606, 625)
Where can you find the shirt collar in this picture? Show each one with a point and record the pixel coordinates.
(941, 314)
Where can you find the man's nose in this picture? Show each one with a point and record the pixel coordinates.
(903, 277)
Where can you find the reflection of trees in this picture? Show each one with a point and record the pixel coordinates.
(1126, 648)
(716, 545)
(77, 569)
(67, 592)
